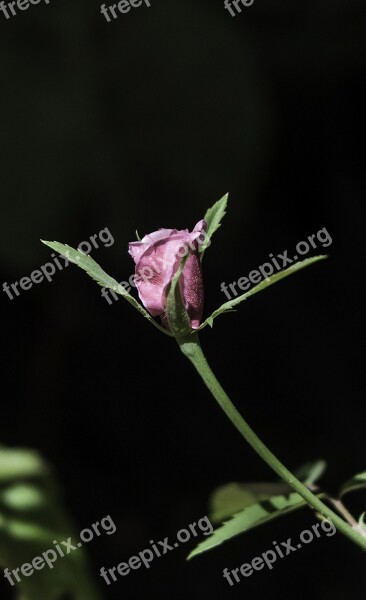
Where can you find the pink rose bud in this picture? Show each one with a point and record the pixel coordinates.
(157, 258)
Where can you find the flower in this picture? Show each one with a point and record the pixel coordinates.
(157, 258)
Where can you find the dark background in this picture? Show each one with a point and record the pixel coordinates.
(144, 123)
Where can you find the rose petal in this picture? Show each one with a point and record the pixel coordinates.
(157, 258)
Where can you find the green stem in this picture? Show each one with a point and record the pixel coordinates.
(191, 348)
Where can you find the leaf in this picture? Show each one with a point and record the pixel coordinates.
(31, 518)
(358, 482)
(311, 472)
(88, 264)
(228, 306)
(254, 515)
(20, 463)
(213, 218)
(232, 498)
(361, 521)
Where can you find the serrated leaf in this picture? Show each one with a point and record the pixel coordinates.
(31, 518)
(358, 482)
(228, 306)
(232, 498)
(213, 218)
(251, 517)
(88, 264)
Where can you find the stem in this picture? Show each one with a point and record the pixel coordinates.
(191, 348)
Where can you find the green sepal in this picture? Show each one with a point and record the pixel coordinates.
(176, 314)
(213, 218)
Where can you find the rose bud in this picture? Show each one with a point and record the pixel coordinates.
(157, 258)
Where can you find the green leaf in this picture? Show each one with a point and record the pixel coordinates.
(20, 463)
(213, 218)
(254, 515)
(361, 521)
(358, 482)
(311, 472)
(88, 264)
(31, 518)
(232, 498)
(228, 306)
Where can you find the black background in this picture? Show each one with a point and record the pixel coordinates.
(143, 123)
